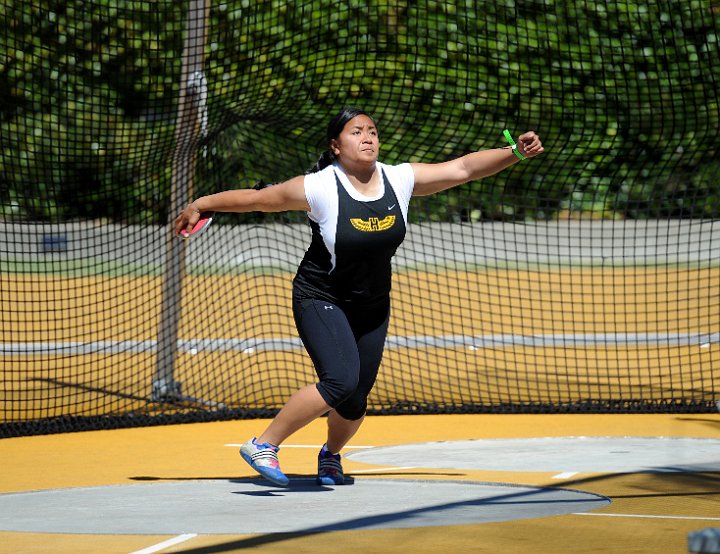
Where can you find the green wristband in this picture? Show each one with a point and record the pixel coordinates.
(513, 145)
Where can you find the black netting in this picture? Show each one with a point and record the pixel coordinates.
(585, 280)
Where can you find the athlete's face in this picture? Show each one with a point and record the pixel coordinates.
(358, 141)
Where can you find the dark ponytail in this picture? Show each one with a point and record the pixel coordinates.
(326, 158)
(334, 129)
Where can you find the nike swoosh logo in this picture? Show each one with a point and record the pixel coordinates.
(391, 207)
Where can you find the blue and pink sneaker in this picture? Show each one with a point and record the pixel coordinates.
(263, 459)
(330, 471)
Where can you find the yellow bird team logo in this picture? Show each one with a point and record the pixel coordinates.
(373, 224)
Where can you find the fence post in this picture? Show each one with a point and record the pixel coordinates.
(188, 126)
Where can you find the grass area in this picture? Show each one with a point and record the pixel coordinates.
(92, 267)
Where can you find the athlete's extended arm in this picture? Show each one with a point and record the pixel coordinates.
(283, 197)
(431, 178)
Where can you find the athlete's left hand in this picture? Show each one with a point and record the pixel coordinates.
(529, 144)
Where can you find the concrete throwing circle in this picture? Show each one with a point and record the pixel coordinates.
(251, 506)
(554, 454)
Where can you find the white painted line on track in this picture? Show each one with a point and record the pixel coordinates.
(380, 469)
(166, 544)
(286, 344)
(318, 446)
(649, 516)
(565, 475)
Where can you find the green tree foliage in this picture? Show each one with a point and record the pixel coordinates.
(624, 94)
(87, 95)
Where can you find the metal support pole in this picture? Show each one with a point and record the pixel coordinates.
(187, 130)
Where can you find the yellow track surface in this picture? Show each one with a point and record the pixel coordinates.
(649, 513)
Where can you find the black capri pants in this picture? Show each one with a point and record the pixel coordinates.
(346, 346)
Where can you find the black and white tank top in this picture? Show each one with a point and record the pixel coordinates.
(354, 237)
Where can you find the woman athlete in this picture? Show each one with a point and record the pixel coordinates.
(357, 208)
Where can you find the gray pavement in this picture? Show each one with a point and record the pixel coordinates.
(253, 506)
(555, 454)
(249, 506)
